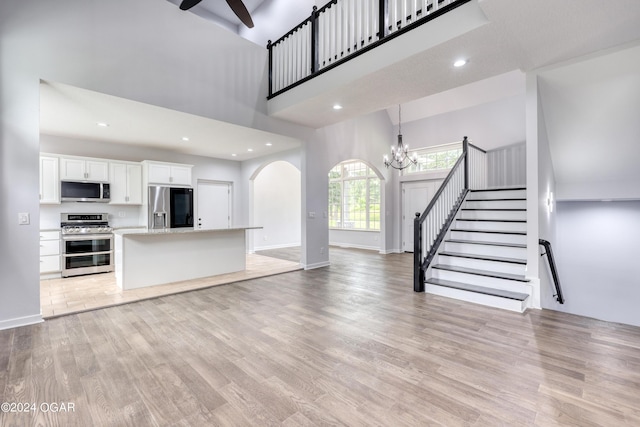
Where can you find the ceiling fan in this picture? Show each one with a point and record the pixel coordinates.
(236, 5)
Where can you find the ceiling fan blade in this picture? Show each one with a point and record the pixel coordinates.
(240, 10)
(188, 4)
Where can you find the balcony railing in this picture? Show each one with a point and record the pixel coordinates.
(342, 30)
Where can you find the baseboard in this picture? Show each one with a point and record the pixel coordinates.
(316, 265)
(352, 246)
(390, 251)
(21, 321)
(266, 248)
(47, 276)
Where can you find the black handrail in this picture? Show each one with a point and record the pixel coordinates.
(554, 271)
(383, 37)
(420, 265)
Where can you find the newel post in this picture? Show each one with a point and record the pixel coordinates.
(465, 151)
(270, 49)
(418, 272)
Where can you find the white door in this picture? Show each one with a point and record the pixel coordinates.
(415, 198)
(214, 205)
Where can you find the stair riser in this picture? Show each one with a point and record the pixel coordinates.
(491, 225)
(496, 204)
(493, 215)
(479, 264)
(506, 194)
(489, 237)
(488, 300)
(503, 251)
(489, 282)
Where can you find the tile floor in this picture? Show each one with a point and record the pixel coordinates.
(60, 297)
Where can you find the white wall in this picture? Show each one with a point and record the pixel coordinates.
(355, 239)
(597, 256)
(507, 166)
(488, 126)
(144, 50)
(276, 206)
(546, 215)
(366, 138)
(273, 19)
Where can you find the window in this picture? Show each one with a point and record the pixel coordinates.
(354, 197)
(435, 158)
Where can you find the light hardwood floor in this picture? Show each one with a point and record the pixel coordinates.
(350, 344)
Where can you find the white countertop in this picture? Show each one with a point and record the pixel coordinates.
(166, 231)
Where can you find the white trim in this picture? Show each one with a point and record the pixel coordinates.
(316, 265)
(21, 321)
(390, 251)
(283, 246)
(354, 246)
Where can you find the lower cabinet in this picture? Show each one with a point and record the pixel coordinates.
(50, 252)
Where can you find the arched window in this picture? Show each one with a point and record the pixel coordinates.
(354, 197)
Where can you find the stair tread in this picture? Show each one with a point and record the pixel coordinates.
(478, 242)
(499, 189)
(486, 273)
(467, 230)
(518, 296)
(519, 199)
(492, 220)
(486, 209)
(484, 257)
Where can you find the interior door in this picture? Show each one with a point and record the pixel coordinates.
(415, 198)
(214, 205)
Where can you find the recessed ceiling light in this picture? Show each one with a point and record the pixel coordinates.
(460, 63)
(234, 155)
(250, 149)
(268, 144)
(102, 124)
(337, 107)
(185, 138)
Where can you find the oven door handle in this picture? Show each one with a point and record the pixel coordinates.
(87, 254)
(88, 237)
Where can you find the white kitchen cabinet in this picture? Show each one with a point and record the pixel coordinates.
(49, 252)
(126, 183)
(84, 169)
(161, 173)
(49, 180)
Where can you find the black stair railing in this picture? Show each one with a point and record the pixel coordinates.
(554, 270)
(431, 226)
(340, 31)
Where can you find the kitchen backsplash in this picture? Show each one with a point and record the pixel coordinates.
(119, 215)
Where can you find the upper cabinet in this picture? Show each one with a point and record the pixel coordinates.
(167, 173)
(126, 183)
(83, 169)
(49, 180)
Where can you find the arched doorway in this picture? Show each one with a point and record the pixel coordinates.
(275, 205)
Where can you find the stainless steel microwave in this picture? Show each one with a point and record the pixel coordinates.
(82, 191)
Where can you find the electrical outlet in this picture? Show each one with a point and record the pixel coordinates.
(322, 250)
(23, 218)
(264, 238)
(312, 215)
(122, 214)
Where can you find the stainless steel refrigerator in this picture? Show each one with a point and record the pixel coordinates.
(170, 207)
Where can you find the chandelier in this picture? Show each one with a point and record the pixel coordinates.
(400, 153)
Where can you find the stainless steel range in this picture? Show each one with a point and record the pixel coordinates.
(87, 244)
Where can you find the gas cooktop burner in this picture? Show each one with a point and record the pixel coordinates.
(85, 223)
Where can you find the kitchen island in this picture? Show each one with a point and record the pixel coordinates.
(146, 257)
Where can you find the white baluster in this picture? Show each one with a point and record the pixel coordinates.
(403, 11)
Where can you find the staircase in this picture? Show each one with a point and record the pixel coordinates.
(483, 257)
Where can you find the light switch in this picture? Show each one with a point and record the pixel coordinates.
(23, 218)
(312, 215)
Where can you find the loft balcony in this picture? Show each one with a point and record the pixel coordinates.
(357, 50)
